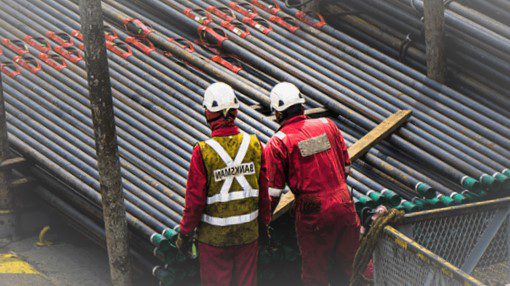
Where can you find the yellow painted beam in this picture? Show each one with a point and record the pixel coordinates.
(357, 150)
(12, 264)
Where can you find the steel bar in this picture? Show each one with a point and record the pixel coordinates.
(159, 69)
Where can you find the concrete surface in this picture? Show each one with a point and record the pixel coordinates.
(70, 260)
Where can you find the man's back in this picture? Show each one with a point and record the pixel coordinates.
(314, 153)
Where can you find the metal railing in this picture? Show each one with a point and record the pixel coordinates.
(463, 245)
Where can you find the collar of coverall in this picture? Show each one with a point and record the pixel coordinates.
(217, 121)
(294, 119)
(225, 131)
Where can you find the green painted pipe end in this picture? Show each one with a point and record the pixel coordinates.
(471, 184)
(470, 196)
(159, 253)
(367, 201)
(482, 193)
(506, 172)
(167, 276)
(425, 190)
(447, 201)
(375, 196)
(400, 208)
(435, 203)
(156, 239)
(358, 205)
(391, 197)
(408, 207)
(488, 182)
(422, 204)
(169, 234)
(458, 198)
(156, 271)
(502, 180)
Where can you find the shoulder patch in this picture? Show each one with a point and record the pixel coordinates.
(280, 135)
(324, 120)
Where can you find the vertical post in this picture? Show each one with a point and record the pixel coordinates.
(6, 211)
(433, 14)
(114, 212)
(312, 6)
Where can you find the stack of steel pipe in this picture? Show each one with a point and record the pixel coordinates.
(477, 40)
(453, 150)
(323, 83)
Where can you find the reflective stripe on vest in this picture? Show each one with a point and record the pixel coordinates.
(233, 220)
(225, 195)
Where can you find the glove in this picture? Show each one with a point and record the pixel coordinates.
(264, 236)
(380, 210)
(347, 171)
(184, 244)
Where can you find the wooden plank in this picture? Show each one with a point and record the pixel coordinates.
(381, 131)
(357, 150)
(12, 163)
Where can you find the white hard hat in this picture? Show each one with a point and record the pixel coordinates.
(220, 96)
(284, 95)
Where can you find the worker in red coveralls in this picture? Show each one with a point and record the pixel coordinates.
(227, 199)
(310, 157)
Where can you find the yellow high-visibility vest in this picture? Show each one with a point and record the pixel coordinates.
(233, 166)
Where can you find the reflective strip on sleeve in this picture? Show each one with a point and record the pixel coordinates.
(280, 135)
(233, 220)
(228, 197)
(273, 192)
(324, 120)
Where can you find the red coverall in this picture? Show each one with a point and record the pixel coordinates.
(235, 265)
(327, 225)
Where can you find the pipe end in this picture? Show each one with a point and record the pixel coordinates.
(471, 184)
(502, 180)
(156, 239)
(376, 197)
(391, 197)
(488, 182)
(422, 204)
(447, 201)
(435, 203)
(408, 207)
(169, 233)
(459, 198)
(425, 190)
